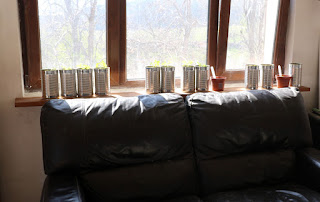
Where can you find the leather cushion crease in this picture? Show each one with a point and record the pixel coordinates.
(238, 146)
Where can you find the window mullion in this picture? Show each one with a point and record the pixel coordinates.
(113, 40)
(223, 37)
(213, 32)
(30, 43)
(123, 41)
(281, 34)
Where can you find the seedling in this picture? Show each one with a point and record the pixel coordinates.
(101, 65)
(81, 66)
(187, 63)
(165, 64)
(155, 63)
(201, 65)
(66, 68)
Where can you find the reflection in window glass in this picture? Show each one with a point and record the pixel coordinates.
(251, 32)
(165, 30)
(72, 32)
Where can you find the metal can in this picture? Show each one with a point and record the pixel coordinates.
(50, 83)
(252, 76)
(152, 79)
(295, 70)
(85, 87)
(167, 79)
(102, 81)
(267, 76)
(188, 79)
(68, 83)
(202, 78)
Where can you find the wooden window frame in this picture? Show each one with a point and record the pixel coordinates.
(30, 43)
(116, 41)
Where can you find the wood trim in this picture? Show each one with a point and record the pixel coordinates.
(23, 42)
(281, 34)
(30, 102)
(113, 40)
(223, 36)
(123, 41)
(39, 101)
(30, 43)
(213, 32)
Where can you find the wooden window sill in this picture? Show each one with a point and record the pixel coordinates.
(126, 92)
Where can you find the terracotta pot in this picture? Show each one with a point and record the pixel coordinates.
(283, 81)
(218, 83)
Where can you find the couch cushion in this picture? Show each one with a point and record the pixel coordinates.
(125, 142)
(153, 181)
(238, 171)
(226, 123)
(285, 192)
(247, 138)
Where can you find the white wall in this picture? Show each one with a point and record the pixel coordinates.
(302, 44)
(21, 171)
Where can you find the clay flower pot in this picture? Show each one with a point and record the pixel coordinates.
(218, 83)
(283, 81)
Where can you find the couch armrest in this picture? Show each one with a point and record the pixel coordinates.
(308, 167)
(61, 188)
(315, 128)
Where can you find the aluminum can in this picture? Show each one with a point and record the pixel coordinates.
(102, 81)
(267, 76)
(188, 79)
(252, 77)
(50, 83)
(152, 79)
(85, 86)
(167, 79)
(202, 78)
(68, 83)
(295, 70)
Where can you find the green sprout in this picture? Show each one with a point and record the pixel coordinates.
(66, 68)
(102, 65)
(155, 63)
(81, 66)
(187, 63)
(201, 65)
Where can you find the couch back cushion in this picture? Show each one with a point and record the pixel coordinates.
(121, 148)
(247, 138)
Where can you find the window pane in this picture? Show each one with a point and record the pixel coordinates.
(72, 32)
(165, 30)
(251, 32)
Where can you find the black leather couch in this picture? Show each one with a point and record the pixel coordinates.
(241, 146)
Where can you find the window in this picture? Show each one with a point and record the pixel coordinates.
(165, 30)
(130, 34)
(252, 29)
(72, 32)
